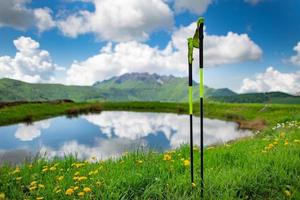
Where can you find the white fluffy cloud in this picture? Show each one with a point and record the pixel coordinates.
(138, 57)
(15, 13)
(296, 58)
(44, 19)
(194, 6)
(119, 20)
(30, 63)
(30, 132)
(273, 80)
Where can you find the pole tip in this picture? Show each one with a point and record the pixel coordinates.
(200, 21)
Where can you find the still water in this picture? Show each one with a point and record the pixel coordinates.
(108, 134)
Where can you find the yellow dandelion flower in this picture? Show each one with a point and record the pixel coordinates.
(271, 146)
(41, 186)
(32, 188)
(19, 178)
(52, 168)
(286, 142)
(275, 143)
(139, 161)
(186, 163)
(193, 184)
(75, 178)
(39, 198)
(76, 188)
(287, 193)
(297, 141)
(167, 157)
(98, 183)
(2, 196)
(87, 189)
(58, 191)
(60, 178)
(17, 170)
(45, 170)
(33, 183)
(82, 178)
(69, 191)
(81, 194)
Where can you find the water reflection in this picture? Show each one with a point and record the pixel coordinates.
(110, 134)
(30, 132)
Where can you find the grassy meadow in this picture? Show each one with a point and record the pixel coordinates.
(265, 166)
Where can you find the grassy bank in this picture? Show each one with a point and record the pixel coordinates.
(248, 115)
(266, 166)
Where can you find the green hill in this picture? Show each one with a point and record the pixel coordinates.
(132, 87)
(13, 90)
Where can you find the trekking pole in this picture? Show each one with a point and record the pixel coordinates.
(200, 24)
(190, 82)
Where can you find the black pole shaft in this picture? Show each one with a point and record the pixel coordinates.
(201, 105)
(191, 123)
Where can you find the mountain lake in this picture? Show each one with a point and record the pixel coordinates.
(108, 135)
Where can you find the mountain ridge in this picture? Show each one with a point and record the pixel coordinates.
(131, 87)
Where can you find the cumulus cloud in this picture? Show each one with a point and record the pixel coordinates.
(44, 19)
(14, 13)
(119, 20)
(30, 63)
(273, 80)
(133, 56)
(194, 6)
(296, 58)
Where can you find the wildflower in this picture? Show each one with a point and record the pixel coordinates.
(82, 178)
(286, 142)
(193, 184)
(17, 170)
(33, 183)
(19, 178)
(186, 163)
(167, 157)
(52, 168)
(69, 191)
(297, 141)
(81, 194)
(2, 196)
(139, 161)
(76, 188)
(275, 143)
(39, 198)
(87, 189)
(45, 170)
(58, 191)
(98, 183)
(41, 186)
(287, 193)
(32, 188)
(60, 178)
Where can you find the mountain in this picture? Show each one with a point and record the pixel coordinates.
(268, 97)
(153, 87)
(132, 87)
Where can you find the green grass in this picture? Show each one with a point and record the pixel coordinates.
(266, 166)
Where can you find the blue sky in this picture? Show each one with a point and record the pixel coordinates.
(249, 44)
